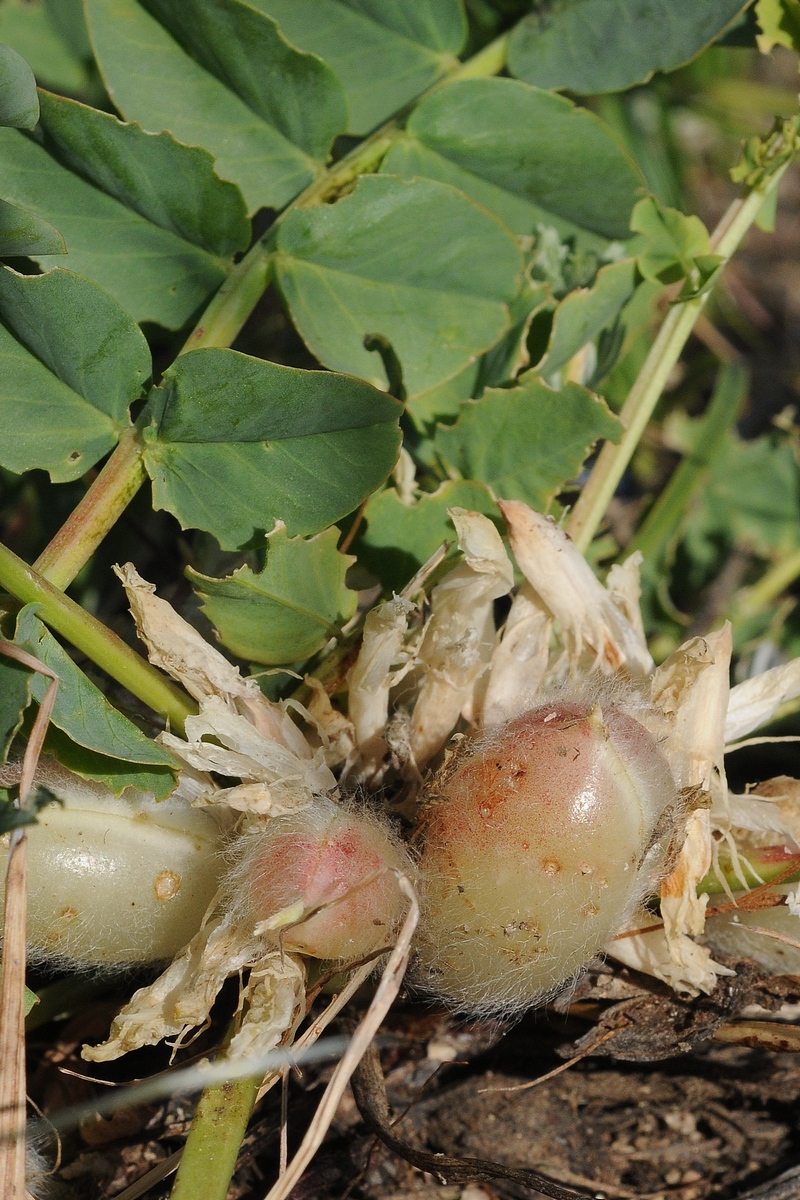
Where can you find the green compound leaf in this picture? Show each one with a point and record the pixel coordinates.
(82, 712)
(678, 247)
(384, 54)
(751, 498)
(236, 444)
(174, 187)
(36, 31)
(591, 46)
(526, 442)
(72, 361)
(155, 275)
(19, 105)
(24, 234)
(116, 773)
(583, 313)
(128, 205)
(288, 611)
(219, 74)
(444, 401)
(525, 154)
(416, 262)
(15, 696)
(396, 538)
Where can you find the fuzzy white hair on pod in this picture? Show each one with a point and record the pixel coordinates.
(38, 1167)
(537, 838)
(322, 881)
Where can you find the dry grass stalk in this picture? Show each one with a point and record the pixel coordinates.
(12, 983)
(384, 997)
(315, 1031)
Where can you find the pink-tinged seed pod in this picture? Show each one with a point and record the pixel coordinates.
(329, 874)
(532, 842)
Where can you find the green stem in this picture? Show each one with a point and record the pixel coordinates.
(646, 391)
(218, 1127)
(97, 642)
(769, 864)
(235, 300)
(665, 517)
(777, 579)
(488, 61)
(99, 510)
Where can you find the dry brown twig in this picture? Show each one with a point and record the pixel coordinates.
(369, 1091)
(773, 933)
(12, 984)
(532, 1083)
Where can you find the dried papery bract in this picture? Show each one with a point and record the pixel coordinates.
(693, 692)
(459, 637)
(755, 701)
(181, 998)
(624, 585)
(532, 841)
(596, 627)
(772, 807)
(691, 688)
(372, 677)
(247, 754)
(177, 648)
(334, 728)
(519, 662)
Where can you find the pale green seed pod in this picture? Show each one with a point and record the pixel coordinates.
(114, 883)
(533, 839)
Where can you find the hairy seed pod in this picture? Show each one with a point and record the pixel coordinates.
(322, 879)
(113, 883)
(532, 842)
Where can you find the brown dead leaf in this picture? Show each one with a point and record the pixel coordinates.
(660, 1025)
